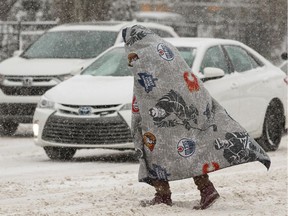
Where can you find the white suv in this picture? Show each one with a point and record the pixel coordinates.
(93, 110)
(57, 55)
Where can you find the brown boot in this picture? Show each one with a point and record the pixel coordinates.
(207, 191)
(163, 194)
(158, 199)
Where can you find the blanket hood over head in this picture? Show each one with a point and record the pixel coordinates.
(179, 130)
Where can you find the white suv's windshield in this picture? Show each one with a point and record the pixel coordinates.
(114, 62)
(71, 44)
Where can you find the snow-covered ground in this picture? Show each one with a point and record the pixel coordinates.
(104, 182)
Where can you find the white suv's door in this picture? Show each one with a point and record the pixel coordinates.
(252, 84)
(225, 90)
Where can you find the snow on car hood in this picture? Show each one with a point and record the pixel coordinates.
(92, 90)
(18, 66)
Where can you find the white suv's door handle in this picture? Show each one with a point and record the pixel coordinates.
(234, 86)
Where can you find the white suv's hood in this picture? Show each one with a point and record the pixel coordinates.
(18, 66)
(91, 90)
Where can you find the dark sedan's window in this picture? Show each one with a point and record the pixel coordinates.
(214, 57)
(241, 60)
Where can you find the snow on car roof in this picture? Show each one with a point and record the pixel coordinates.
(199, 42)
(107, 26)
(195, 42)
(157, 15)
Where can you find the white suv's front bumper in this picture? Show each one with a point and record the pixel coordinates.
(54, 129)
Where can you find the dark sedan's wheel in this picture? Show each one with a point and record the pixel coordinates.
(60, 153)
(8, 128)
(272, 128)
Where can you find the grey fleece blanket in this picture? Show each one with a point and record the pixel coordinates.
(179, 130)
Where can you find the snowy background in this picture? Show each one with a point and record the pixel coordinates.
(260, 24)
(104, 182)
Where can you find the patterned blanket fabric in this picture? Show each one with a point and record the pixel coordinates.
(179, 130)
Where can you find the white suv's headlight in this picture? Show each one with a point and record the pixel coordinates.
(46, 103)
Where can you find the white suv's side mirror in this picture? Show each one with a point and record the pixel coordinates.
(211, 72)
(17, 52)
(77, 70)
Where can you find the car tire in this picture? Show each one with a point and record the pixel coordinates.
(8, 128)
(59, 153)
(272, 128)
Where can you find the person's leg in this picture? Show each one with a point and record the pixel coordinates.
(162, 195)
(207, 190)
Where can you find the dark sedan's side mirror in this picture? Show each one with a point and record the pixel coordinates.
(284, 56)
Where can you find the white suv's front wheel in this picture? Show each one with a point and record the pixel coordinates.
(60, 153)
(273, 127)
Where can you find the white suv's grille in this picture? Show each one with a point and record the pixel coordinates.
(104, 130)
(93, 111)
(35, 79)
(25, 86)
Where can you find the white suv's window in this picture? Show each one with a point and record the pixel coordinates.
(214, 57)
(241, 60)
(115, 63)
(71, 44)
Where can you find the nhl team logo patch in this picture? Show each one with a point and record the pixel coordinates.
(191, 81)
(149, 140)
(210, 167)
(132, 57)
(186, 147)
(147, 81)
(135, 107)
(165, 52)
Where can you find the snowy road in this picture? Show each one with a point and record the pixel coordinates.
(102, 182)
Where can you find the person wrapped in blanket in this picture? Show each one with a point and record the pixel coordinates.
(179, 130)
